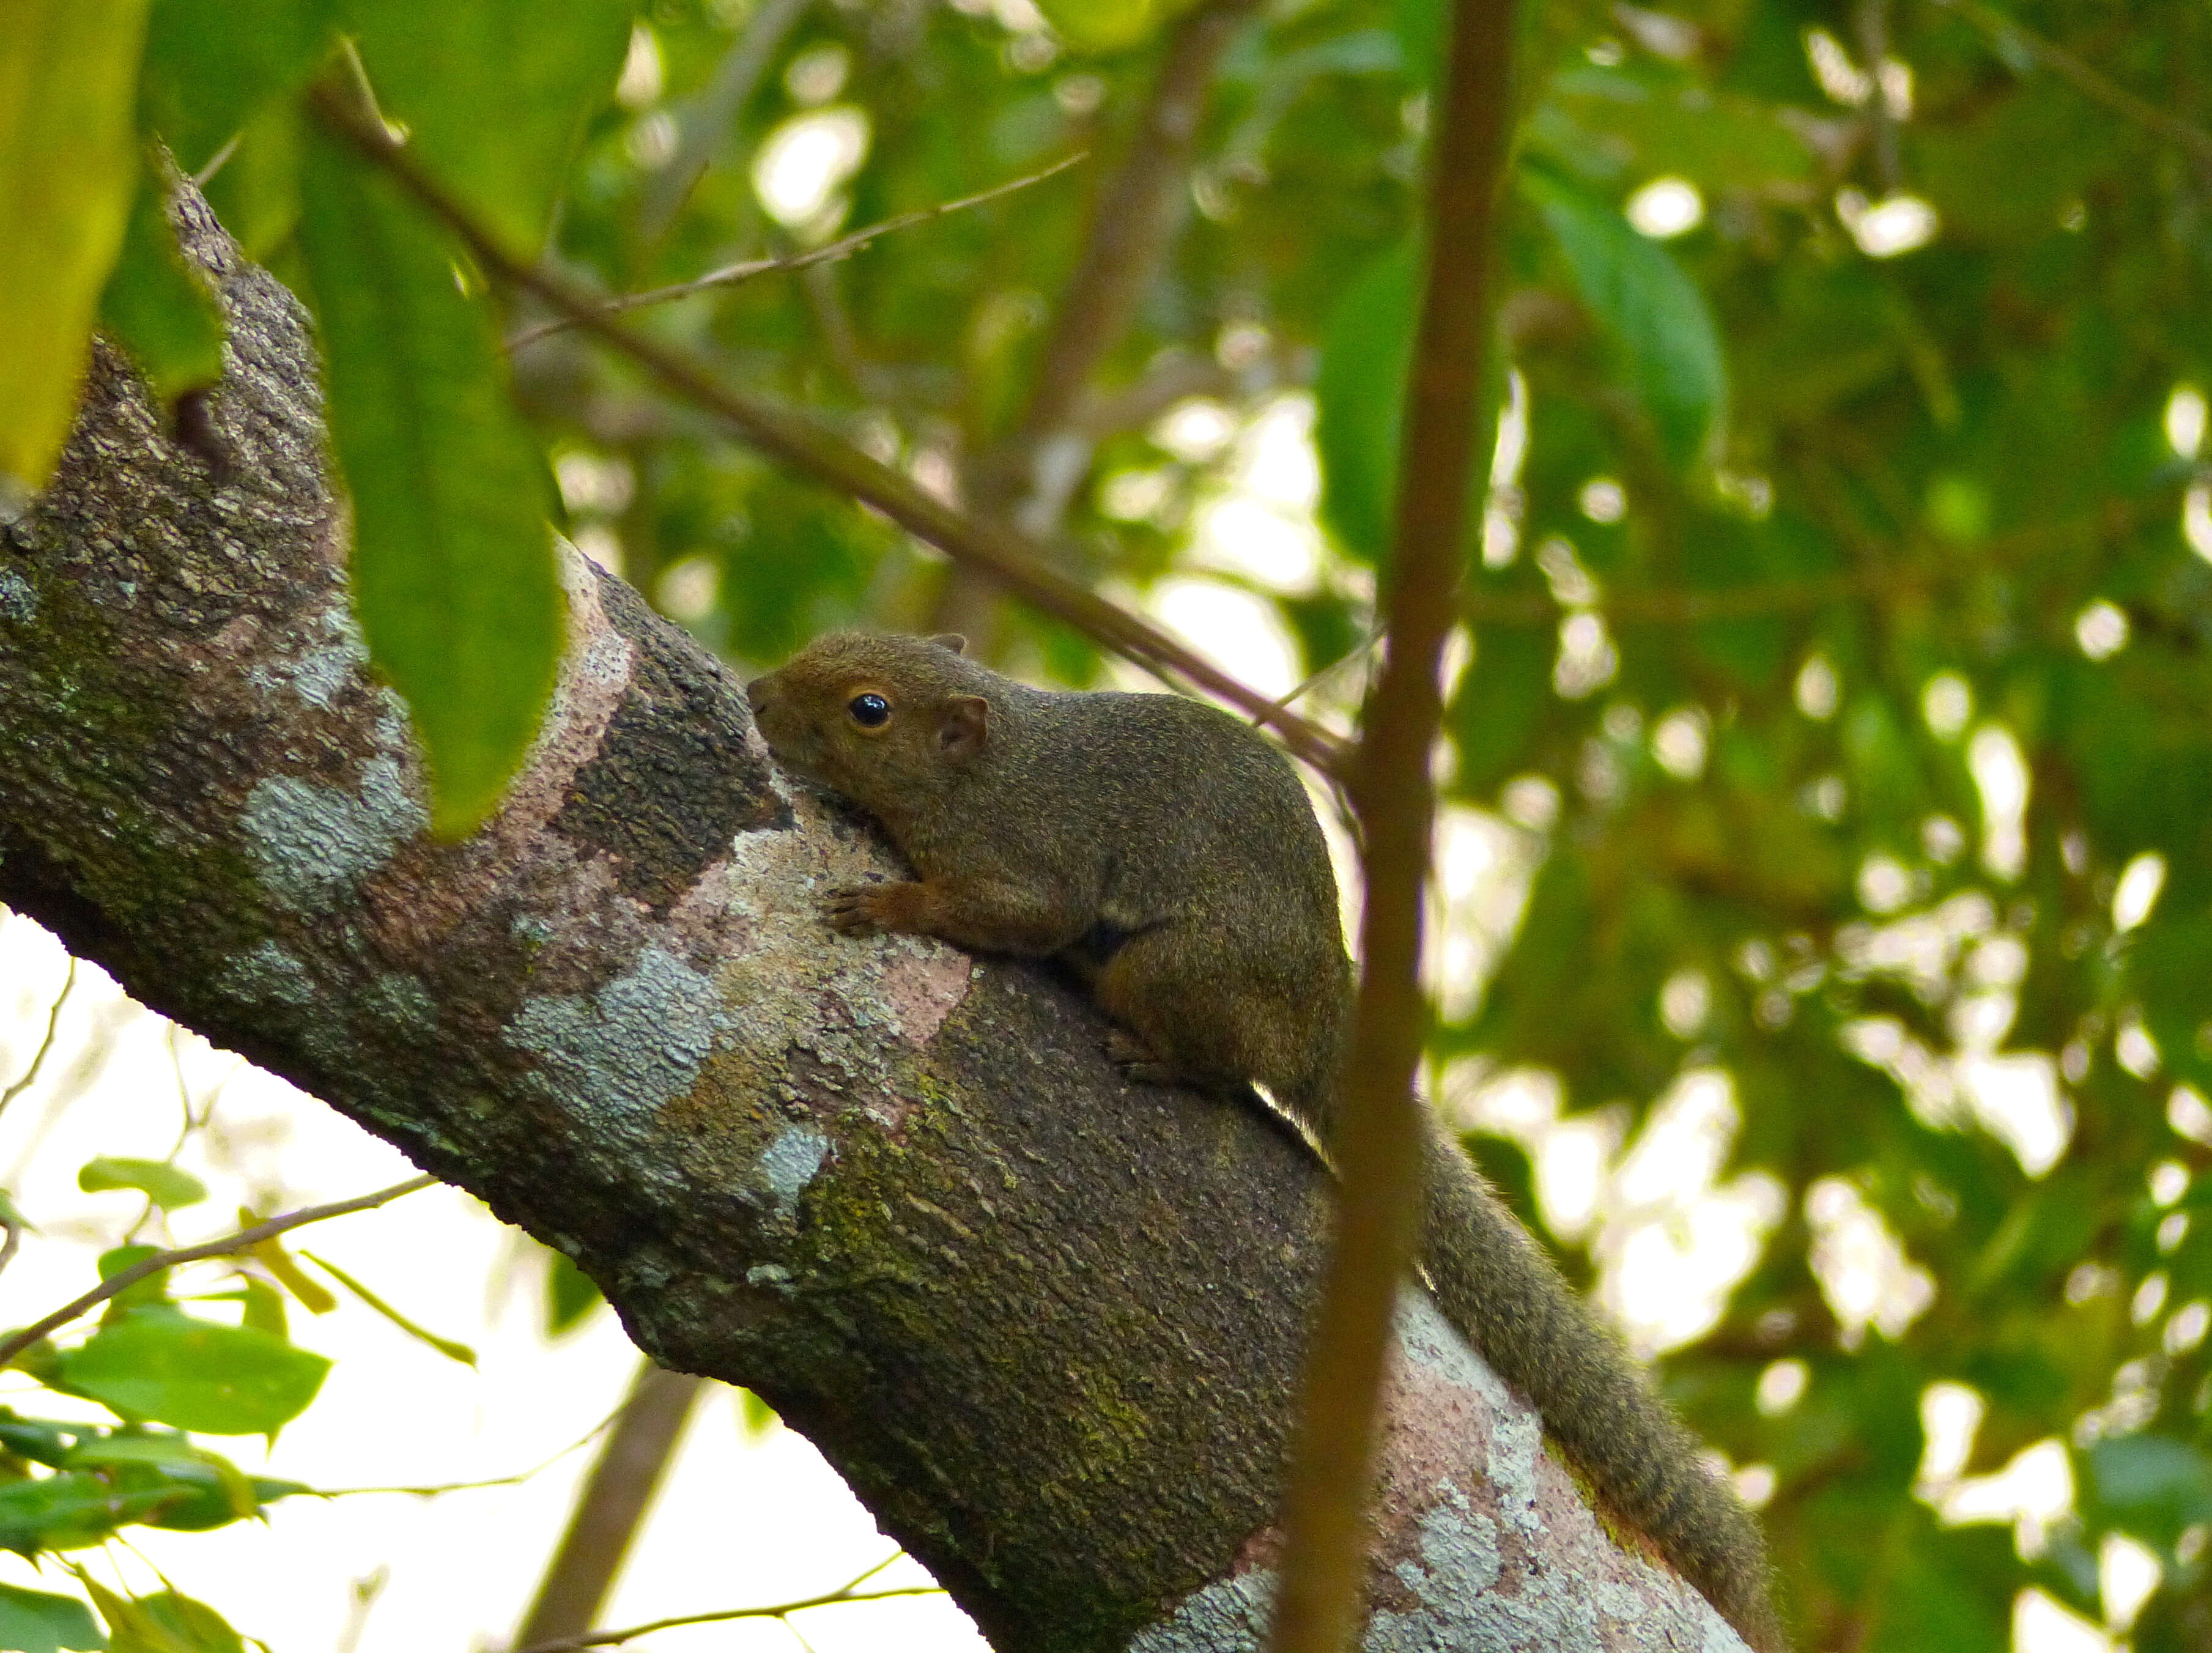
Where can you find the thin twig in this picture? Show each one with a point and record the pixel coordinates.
(439, 1488)
(849, 1592)
(844, 248)
(244, 1240)
(2091, 81)
(1378, 1139)
(30, 1076)
(1006, 555)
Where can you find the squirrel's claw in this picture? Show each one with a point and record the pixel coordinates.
(1136, 1060)
(853, 910)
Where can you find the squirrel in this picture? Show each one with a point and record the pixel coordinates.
(1167, 854)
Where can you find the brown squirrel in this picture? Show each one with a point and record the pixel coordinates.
(1168, 854)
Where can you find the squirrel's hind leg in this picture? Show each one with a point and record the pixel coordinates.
(1187, 1019)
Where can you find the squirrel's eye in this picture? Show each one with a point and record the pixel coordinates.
(870, 711)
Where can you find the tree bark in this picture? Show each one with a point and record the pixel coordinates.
(1047, 1323)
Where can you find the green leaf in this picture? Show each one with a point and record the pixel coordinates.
(444, 1345)
(40, 1440)
(1360, 392)
(1669, 345)
(545, 65)
(212, 64)
(1105, 25)
(162, 1623)
(570, 1294)
(201, 1490)
(194, 1373)
(454, 574)
(184, 1625)
(32, 1621)
(256, 193)
(2152, 1485)
(154, 1289)
(68, 163)
(70, 1509)
(165, 1185)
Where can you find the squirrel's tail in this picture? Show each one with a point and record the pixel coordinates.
(1505, 1295)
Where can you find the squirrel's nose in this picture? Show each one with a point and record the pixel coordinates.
(756, 693)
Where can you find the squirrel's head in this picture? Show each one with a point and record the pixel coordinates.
(874, 717)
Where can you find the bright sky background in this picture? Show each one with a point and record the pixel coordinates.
(745, 1520)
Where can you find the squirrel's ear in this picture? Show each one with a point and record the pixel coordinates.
(951, 641)
(967, 720)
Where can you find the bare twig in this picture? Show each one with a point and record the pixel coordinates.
(439, 1489)
(844, 248)
(30, 1075)
(847, 1592)
(244, 1240)
(2090, 82)
(1006, 555)
(1379, 1142)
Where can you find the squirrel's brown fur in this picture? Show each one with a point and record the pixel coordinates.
(1168, 853)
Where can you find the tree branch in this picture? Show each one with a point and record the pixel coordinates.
(798, 441)
(1379, 1142)
(1046, 1323)
(245, 1240)
(610, 1506)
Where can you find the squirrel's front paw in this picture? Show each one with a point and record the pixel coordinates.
(1136, 1060)
(869, 908)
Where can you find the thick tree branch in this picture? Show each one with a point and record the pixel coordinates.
(799, 442)
(1380, 1139)
(1046, 1322)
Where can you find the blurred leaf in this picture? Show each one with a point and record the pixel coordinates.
(570, 1293)
(1359, 391)
(212, 65)
(154, 1289)
(32, 1621)
(756, 1415)
(444, 1345)
(38, 1440)
(453, 560)
(70, 1509)
(544, 64)
(1106, 24)
(68, 163)
(192, 1374)
(162, 1623)
(156, 309)
(2149, 1484)
(256, 193)
(1669, 345)
(314, 1297)
(164, 1184)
